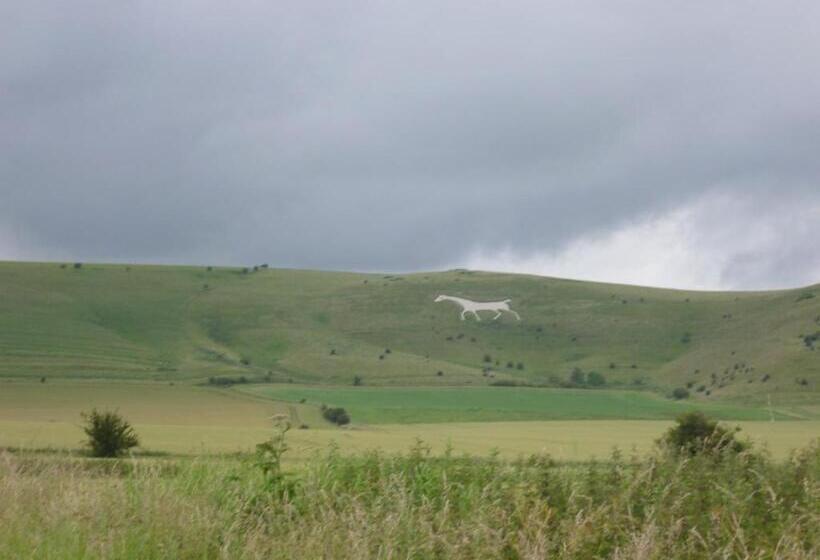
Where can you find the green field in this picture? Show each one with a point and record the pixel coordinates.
(400, 405)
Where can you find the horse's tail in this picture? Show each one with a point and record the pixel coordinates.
(507, 300)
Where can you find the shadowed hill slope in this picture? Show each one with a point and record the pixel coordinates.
(177, 323)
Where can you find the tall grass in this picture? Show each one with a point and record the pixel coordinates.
(412, 506)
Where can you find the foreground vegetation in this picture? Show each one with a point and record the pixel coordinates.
(416, 505)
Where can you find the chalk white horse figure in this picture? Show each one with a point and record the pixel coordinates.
(469, 306)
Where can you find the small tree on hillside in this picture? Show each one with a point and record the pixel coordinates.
(109, 434)
(595, 379)
(680, 393)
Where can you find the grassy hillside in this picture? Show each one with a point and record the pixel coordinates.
(191, 323)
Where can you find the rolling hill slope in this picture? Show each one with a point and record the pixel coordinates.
(191, 323)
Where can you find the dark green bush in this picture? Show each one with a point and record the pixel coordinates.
(695, 433)
(336, 415)
(109, 434)
(504, 383)
(220, 381)
(679, 393)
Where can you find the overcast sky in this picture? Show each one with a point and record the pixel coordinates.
(661, 143)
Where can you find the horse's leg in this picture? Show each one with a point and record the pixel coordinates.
(517, 316)
(463, 311)
(477, 318)
(497, 315)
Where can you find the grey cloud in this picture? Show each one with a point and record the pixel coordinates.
(391, 136)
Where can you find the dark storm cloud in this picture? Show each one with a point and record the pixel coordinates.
(399, 135)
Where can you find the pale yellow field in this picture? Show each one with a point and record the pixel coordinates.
(571, 440)
(141, 403)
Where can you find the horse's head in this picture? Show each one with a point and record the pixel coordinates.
(440, 298)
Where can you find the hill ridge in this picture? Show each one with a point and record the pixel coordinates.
(188, 322)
